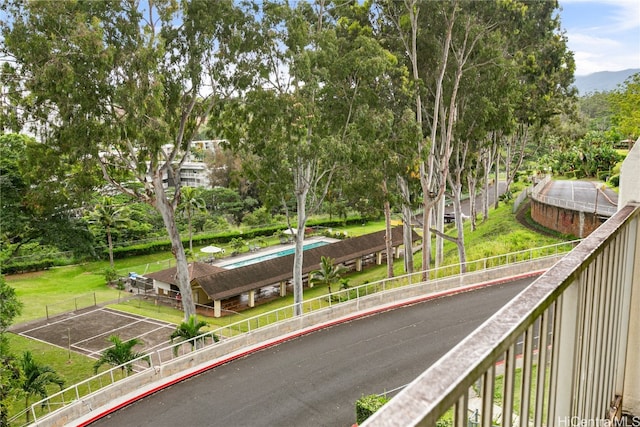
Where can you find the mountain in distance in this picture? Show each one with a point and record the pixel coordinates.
(603, 81)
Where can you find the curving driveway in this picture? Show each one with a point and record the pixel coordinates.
(587, 196)
(314, 380)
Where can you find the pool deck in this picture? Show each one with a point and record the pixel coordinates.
(222, 262)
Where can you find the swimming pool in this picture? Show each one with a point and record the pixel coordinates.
(272, 255)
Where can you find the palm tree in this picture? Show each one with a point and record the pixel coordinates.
(110, 216)
(36, 378)
(190, 331)
(121, 353)
(328, 274)
(191, 202)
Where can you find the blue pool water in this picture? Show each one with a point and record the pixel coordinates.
(273, 255)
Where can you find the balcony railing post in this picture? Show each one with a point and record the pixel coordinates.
(462, 411)
(488, 388)
(508, 386)
(564, 345)
(630, 358)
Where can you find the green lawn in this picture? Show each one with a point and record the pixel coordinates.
(58, 286)
(71, 366)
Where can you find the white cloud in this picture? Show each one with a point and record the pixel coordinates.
(625, 16)
(603, 34)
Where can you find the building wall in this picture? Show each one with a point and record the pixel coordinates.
(630, 193)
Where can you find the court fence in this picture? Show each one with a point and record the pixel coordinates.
(71, 304)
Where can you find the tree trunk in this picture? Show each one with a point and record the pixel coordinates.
(520, 137)
(457, 208)
(426, 240)
(496, 192)
(110, 242)
(26, 405)
(440, 226)
(388, 243)
(167, 210)
(301, 200)
(472, 182)
(485, 185)
(190, 231)
(406, 224)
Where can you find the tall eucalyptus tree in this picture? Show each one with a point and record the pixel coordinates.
(545, 68)
(296, 129)
(126, 85)
(383, 130)
(404, 32)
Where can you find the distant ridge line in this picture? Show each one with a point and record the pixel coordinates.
(602, 81)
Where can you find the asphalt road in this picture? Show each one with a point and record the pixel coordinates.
(315, 380)
(582, 192)
(466, 203)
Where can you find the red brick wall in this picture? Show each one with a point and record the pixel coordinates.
(565, 221)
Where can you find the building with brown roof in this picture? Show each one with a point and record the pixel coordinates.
(229, 284)
(166, 284)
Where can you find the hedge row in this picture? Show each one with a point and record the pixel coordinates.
(220, 238)
(28, 266)
(165, 245)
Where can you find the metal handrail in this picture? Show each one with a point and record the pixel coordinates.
(576, 206)
(564, 337)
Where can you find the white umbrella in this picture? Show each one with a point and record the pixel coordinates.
(211, 250)
(291, 231)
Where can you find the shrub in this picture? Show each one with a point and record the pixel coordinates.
(367, 405)
(9, 267)
(110, 274)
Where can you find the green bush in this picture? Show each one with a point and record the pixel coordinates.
(615, 180)
(110, 274)
(367, 405)
(37, 265)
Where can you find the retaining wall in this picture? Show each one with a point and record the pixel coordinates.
(565, 221)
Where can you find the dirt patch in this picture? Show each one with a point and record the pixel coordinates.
(28, 275)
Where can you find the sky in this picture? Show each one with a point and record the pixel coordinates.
(603, 34)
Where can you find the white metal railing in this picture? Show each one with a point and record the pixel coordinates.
(541, 184)
(553, 356)
(601, 208)
(77, 391)
(163, 356)
(524, 194)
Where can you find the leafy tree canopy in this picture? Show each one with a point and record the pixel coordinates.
(37, 203)
(625, 103)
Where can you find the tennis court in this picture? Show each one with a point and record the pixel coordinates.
(87, 331)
